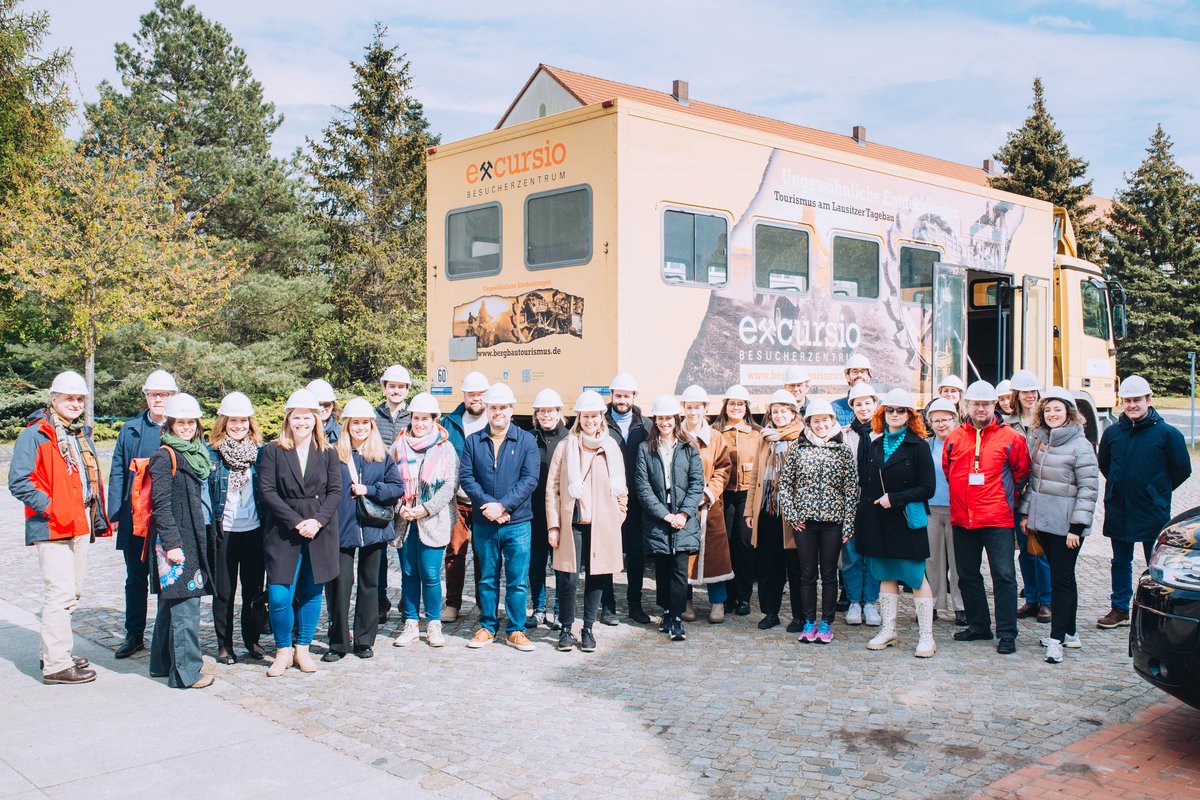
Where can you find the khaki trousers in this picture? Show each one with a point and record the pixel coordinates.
(63, 563)
(941, 560)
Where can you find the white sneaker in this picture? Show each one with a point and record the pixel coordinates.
(410, 634)
(871, 615)
(1054, 652)
(1071, 641)
(434, 635)
(854, 615)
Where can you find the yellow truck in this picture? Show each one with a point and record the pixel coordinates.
(606, 228)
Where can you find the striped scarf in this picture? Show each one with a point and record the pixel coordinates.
(425, 462)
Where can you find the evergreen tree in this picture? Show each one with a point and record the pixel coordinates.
(368, 172)
(1039, 164)
(184, 79)
(1153, 248)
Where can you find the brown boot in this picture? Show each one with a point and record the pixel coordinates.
(70, 675)
(689, 612)
(716, 614)
(304, 659)
(1027, 610)
(284, 657)
(1115, 618)
(1043, 615)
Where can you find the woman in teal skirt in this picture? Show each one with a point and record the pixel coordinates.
(892, 530)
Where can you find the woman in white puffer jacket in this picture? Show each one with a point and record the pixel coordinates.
(1057, 507)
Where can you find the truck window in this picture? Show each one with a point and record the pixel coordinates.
(558, 228)
(695, 248)
(1095, 309)
(855, 267)
(473, 242)
(780, 258)
(916, 273)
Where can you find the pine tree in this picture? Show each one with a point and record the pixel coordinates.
(184, 79)
(1039, 164)
(1153, 248)
(368, 171)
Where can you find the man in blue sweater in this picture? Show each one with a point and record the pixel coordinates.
(499, 472)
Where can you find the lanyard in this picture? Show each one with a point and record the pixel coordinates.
(978, 445)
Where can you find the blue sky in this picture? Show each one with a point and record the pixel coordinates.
(938, 77)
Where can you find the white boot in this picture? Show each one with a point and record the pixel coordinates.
(887, 633)
(925, 644)
(434, 635)
(409, 634)
(283, 659)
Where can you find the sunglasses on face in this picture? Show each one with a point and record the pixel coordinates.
(894, 410)
(326, 405)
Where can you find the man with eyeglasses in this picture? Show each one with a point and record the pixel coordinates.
(986, 464)
(797, 383)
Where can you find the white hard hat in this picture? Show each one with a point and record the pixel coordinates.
(819, 407)
(236, 404)
(858, 361)
(396, 373)
(358, 408)
(547, 398)
(694, 394)
(424, 403)
(322, 390)
(1026, 381)
(862, 389)
(898, 398)
(160, 381)
(981, 391)
(795, 374)
(475, 382)
(783, 397)
(952, 382)
(623, 382)
(665, 405)
(942, 404)
(737, 392)
(182, 406)
(1059, 393)
(589, 401)
(499, 394)
(1134, 386)
(1004, 387)
(69, 383)
(302, 398)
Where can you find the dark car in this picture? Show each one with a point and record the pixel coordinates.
(1164, 633)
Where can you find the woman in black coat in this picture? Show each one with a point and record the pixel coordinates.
(669, 484)
(893, 518)
(182, 544)
(548, 429)
(300, 482)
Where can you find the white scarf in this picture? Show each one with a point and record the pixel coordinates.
(612, 455)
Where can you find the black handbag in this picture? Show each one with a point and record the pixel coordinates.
(260, 614)
(369, 513)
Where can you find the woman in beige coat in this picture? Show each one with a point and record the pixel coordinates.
(711, 567)
(585, 492)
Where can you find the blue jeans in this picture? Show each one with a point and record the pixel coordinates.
(861, 585)
(1035, 573)
(506, 546)
(279, 604)
(1122, 571)
(422, 567)
(175, 651)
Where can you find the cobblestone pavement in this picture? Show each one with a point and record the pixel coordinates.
(732, 712)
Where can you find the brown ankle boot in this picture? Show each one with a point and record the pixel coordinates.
(283, 659)
(304, 659)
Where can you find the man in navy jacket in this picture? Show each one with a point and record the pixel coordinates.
(499, 472)
(138, 438)
(1143, 460)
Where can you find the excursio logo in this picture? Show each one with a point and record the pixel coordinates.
(513, 164)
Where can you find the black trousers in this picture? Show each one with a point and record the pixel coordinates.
(741, 554)
(633, 542)
(775, 566)
(366, 603)
(1064, 594)
(239, 553)
(137, 587)
(566, 584)
(819, 546)
(671, 579)
(1001, 547)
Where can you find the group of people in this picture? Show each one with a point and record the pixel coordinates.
(869, 494)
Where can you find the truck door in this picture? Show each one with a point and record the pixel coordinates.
(949, 321)
(1036, 313)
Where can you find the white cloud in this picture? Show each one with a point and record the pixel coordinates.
(1066, 23)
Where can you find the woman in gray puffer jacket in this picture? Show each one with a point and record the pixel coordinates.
(1057, 507)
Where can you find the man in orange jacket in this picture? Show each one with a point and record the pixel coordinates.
(56, 474)
(986, 464)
